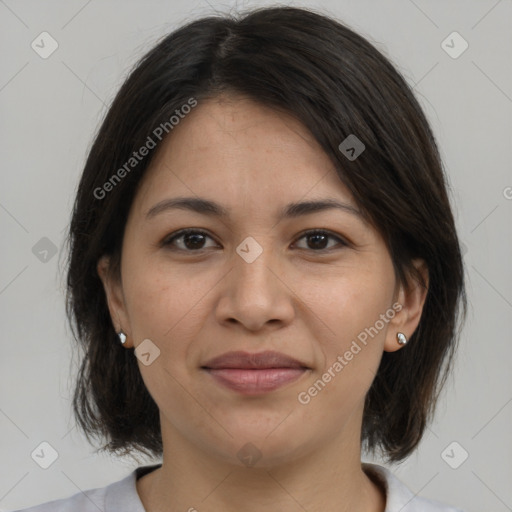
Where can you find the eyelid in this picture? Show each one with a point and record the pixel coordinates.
(185, 231)
(321, 231)
(342, 241)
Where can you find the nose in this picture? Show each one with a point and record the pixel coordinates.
(256, 294)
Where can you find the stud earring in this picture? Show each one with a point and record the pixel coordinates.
(400, 337)
(122, 337)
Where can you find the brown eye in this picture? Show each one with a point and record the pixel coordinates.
(317, 240)
(194, 240)
(190, 240)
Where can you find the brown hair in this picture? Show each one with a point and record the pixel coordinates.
(336, 83)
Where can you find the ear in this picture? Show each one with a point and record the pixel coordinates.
(115, 298)
(411, 299)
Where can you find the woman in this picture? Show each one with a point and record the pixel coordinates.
(264, 273)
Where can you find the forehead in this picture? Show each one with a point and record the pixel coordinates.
(238, 150)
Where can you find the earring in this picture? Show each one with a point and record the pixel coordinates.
(400, 337)
(122, 337)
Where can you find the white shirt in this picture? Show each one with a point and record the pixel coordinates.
(121, 496)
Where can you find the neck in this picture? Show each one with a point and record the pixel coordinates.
(326, 479)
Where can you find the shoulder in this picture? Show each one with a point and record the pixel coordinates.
(115, 497)
(87, 501)
(401, 498)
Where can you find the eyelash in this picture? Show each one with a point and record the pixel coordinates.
(167, 242)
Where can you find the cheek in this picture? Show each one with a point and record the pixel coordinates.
(169, 306)
(156, 294)
(166, 308)
(355, 309)
(349, 301)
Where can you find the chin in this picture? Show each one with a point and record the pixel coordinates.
(253, 448)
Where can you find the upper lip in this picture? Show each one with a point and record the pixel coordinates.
(247, 360)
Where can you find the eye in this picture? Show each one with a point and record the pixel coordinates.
(319, 240)
(191, 240)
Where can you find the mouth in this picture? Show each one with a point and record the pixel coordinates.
(254, 374)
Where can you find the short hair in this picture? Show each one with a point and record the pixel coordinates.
(335, 83)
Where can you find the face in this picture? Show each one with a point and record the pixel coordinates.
(316, 286)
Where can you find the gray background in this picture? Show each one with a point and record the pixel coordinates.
(50, 110)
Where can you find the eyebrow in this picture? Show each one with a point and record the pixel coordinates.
(213, 209)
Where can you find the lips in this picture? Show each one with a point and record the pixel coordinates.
(254, 374)
(248, 361)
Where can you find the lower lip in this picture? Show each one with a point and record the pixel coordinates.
(255, 382)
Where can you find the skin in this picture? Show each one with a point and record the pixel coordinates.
(294, 298)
